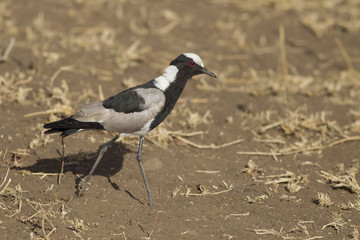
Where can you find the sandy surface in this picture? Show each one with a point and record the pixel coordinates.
(268, 150)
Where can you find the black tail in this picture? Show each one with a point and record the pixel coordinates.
(69, 125)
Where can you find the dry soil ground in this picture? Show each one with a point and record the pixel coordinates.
(269, 150)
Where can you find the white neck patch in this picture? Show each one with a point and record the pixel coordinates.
(195, 58)
(162, 82)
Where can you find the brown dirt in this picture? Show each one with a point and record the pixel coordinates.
(288, 86)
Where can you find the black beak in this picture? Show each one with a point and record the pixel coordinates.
(208, 72)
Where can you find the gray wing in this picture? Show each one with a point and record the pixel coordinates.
(137, 109)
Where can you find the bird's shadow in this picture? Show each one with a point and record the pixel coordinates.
(81, 163)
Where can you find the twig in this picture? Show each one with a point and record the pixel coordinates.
(6, 54)
(211, 146)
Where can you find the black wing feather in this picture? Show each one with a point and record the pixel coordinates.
(69, 126)
(126, 102)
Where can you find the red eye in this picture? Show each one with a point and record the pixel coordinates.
(192, 63)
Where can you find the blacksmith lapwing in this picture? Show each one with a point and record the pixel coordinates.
(136, 110)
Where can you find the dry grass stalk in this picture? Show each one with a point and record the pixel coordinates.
(15, 194)
(161, 136)
(303, 227)
(316, 24)
(289, 178)
(311, 238)
(351, 205)
(193, 119)
(61, 69)
(252, 169)
(194, 100)
(338, 222)
(101, 93)
(284, 152)
(293, 187)
(285, 197)
(347, 181)
(13, 86)
(204, 171)
(257, 199)
(42, 214)
(355, 234)
(344, 53)
(232, 215)
(129, 57)
(284, 68)
(175, 192)
(219, 88)
(272, 125)
(4, 154)
(101, 74)
(41, 140)
(227, 236)
(211, 146)
(285, 178)
(274, 155)
(8, 182)
(323, 200)
(41, 174)
(205, 191)
(185, 134)
(77, 225)
(173, 21)
(267, 232)
(277, 141)
(6, 54)
(56, 109)
(280, 234)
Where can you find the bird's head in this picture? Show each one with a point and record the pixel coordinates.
(191, 64)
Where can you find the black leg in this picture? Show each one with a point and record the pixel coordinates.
(103, 149)
(138, 157)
